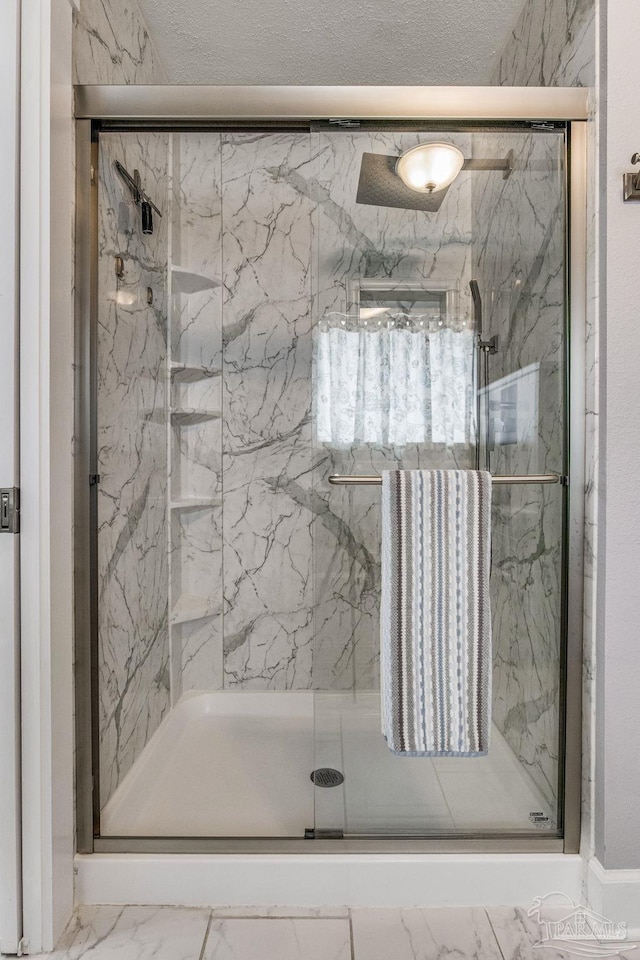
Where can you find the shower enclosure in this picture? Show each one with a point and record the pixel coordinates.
(265, 341)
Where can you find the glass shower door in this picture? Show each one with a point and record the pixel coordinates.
(203, 707)
(282, 323)
(408, 374)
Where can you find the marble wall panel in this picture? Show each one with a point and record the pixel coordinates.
(288, 209)
(111, 44)
(552, 44)
(199, 659)
(353, 241)
(196, 246)
(133, 650)
(267, 453)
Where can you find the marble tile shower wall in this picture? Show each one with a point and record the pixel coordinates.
(519, 261)
(353, 241)
(301, 565)
(111, 44)
(552, 44)
(133, 641)
(267, 444)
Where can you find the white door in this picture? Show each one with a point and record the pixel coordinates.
(10, 840)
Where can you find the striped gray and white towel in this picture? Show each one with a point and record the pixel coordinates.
(435, 612)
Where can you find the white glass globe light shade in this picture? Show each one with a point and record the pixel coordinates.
(430, 167)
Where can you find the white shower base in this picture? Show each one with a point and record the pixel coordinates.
(238, 764)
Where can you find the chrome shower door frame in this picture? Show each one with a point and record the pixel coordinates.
(173, 108)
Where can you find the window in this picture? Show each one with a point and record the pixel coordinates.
(397, 368)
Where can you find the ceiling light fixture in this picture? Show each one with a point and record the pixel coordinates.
(430, 167)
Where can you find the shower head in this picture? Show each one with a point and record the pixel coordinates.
(380, 185)
(477, 304)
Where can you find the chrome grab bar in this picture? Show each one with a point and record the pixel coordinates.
(524, 478)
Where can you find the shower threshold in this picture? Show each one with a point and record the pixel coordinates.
(239, 764)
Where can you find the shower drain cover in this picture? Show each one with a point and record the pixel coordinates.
(326, 777)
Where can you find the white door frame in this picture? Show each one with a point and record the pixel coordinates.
(46, 437)
(10, 856)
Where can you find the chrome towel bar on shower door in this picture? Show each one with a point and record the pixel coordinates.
(524, 478)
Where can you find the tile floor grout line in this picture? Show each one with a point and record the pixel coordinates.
(275, 916)
(495, 935)
(206, 936)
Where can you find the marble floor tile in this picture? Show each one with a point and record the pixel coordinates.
(423, 934)
(315, 933)
(517, 934)
(278, 939)
(133, 933)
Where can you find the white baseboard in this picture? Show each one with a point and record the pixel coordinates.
(615, 894)
(323, 880)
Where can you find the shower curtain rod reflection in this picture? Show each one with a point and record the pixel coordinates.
(524, 478)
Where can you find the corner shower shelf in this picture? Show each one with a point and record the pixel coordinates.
(187, 416)
(192, 372)
(189, 607)
(195, 503)
(185, 281)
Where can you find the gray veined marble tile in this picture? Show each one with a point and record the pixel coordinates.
(552, 44)
(200, 655)
(111, 44)
(197, 247)
(133, 636)
(353, 240)
(423, 934)
(267, 452)
(278, 939)
(522, 937)
(134, 933)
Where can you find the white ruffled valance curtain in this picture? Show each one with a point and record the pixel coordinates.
(394, 383)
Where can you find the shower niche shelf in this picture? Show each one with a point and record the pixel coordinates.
(185, 281)
(192, 373)
(188, 416)
(196, 503)
(189, 607)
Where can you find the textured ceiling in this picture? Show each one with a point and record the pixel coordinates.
(330, 41)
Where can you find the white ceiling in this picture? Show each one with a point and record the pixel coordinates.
(330, 41)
